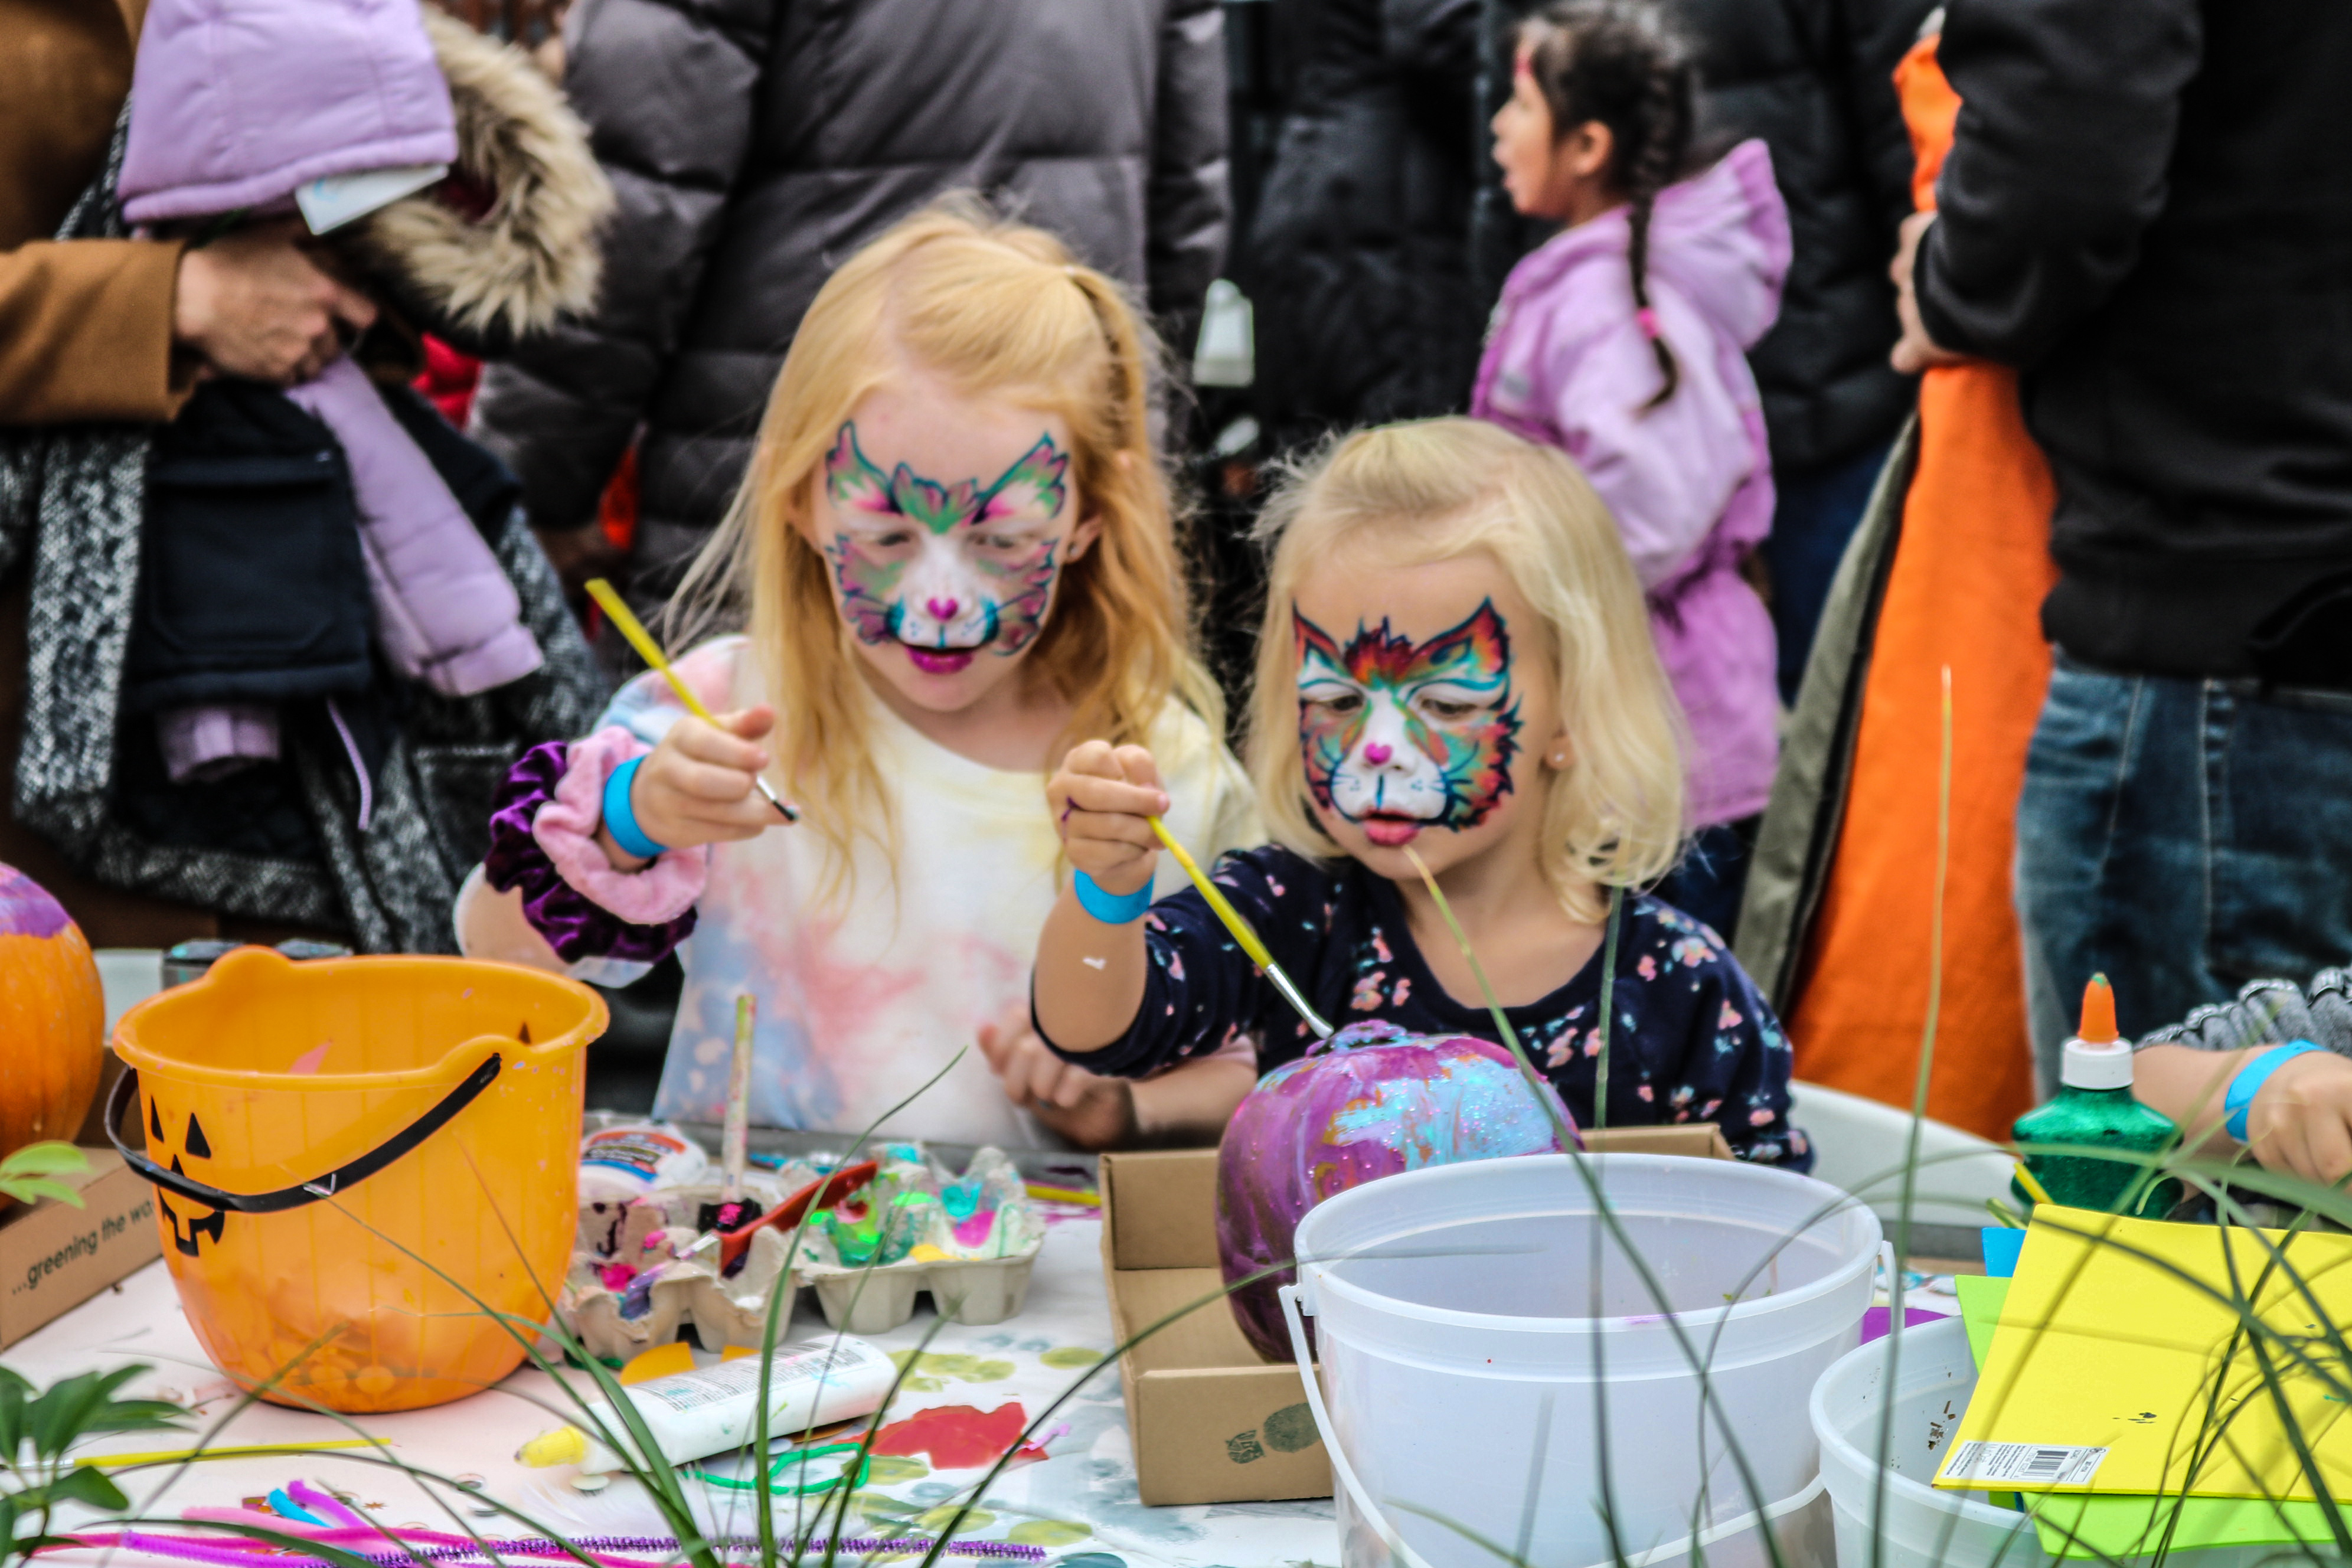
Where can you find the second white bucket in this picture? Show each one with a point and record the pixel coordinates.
(1486, 1344)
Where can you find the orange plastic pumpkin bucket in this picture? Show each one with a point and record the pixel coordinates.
(362, 1164)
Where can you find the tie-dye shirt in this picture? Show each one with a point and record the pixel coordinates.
(862, 999)
(1693, 1041)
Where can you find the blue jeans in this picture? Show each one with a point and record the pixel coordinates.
(2181, 838)
(1814, 513)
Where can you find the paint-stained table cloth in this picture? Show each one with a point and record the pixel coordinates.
(1078, 1502)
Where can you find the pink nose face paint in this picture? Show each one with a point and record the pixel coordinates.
(1399, 736)
(945, 569)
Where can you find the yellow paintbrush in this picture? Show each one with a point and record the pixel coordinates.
(650, 651)
(1249, 939)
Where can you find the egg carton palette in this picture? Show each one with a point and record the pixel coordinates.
(876, 1299)
(969, 1239)
(687, 1290)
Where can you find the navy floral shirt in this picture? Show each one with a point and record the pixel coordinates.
(1694, 1040)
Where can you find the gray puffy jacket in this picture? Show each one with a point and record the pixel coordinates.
(755, 144)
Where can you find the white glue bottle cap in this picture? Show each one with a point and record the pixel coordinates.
(2095, 1058)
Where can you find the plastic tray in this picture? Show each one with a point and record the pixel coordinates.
(974, 1290)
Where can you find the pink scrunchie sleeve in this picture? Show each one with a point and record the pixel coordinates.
(566, 827)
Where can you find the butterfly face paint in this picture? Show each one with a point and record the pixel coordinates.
(945, 569)
(1397, 736)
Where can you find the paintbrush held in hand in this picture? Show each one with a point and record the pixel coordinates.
(626, 622)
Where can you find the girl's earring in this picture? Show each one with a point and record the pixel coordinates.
(1560, 758)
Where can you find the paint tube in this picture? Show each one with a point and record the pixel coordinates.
(617, 1163)
(713, 1409)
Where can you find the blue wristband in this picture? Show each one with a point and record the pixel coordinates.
(1111, 909)
(621, 818)
(2249, 1079)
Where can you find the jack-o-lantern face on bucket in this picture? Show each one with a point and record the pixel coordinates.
(195, 1146)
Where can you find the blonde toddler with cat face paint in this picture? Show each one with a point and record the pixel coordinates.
(955, 548)
(1456, 666)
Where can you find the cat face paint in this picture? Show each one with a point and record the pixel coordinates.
(945, 569)
(1399, 736)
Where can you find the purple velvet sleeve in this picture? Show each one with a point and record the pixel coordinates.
(574, 925)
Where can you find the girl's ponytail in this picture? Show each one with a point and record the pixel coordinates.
(1651, 169)
(1616, 61)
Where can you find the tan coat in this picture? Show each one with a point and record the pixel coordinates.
(86, 325)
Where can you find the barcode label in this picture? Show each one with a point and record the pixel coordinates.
(2023, 1464)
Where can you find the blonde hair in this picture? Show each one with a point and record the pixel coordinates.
(1436, 489)
(996, 308)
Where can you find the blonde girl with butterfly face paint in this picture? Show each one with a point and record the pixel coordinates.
(953, 558)
(1455, 666)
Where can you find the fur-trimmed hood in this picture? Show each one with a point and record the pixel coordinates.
(237, 103)
(509, 242)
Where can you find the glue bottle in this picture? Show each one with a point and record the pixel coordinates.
(711, 1409)
(2094, 1107)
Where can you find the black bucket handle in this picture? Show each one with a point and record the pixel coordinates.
(467, 1091)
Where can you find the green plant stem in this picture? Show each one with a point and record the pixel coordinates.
(1608, 1009)
(1918, 1121)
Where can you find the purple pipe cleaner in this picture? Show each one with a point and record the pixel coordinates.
(436, 1546)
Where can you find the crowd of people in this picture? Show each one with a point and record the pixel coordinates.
(1714, 475)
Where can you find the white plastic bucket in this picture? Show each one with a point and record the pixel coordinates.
(1479, 1369)
(1918, 1526)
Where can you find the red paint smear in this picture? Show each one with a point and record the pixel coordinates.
(956, 1436)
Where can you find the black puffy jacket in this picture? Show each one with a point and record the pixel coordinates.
(1357, 260)
(754, 143)
(1813, 78)
(2146, 206)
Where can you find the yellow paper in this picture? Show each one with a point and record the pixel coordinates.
(2125, 1335)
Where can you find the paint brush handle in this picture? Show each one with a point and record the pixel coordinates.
(1243, 932)
(633, 631)
(735, 1133)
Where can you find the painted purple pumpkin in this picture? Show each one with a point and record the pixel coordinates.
(1371, 1102)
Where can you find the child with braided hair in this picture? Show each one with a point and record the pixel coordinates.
(1622, 342)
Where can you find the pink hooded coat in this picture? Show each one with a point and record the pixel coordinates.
(234, 105)
(1690, 481)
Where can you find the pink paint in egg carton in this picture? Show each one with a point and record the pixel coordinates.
(970, 1240)
(636, 1278)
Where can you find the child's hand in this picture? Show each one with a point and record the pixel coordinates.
(1102, 795)
(1092, 1112)
(696, 787)
(2301, 1120)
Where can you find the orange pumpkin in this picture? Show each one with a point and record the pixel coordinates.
(52, 1017)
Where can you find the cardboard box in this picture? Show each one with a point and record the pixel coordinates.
(1211, 1422)
(53, 1257)
(1697, 1140)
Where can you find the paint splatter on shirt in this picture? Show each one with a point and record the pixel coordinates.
(1694, 1040)
(866, 994)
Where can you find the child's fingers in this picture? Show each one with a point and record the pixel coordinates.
(1092, 827)
(2328, 1147)
(1111, 797)
(1093, 757)
(1073, 1086)
(751, 723)
(707, 782)
(1030, 1071)
(993, 1048)
(1135, 762)
(692, 739)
